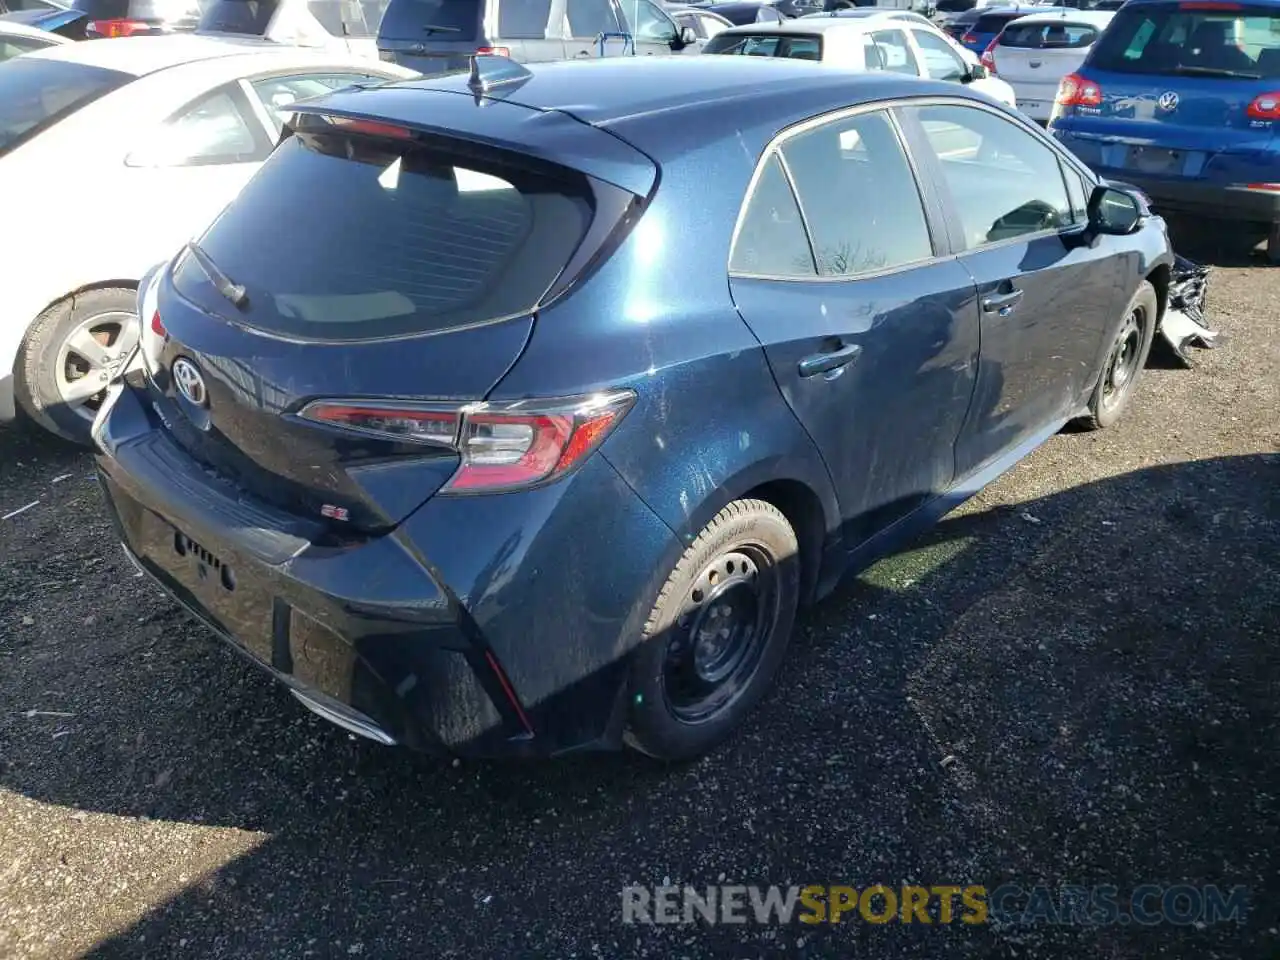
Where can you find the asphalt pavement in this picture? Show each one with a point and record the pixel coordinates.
(1074, 680)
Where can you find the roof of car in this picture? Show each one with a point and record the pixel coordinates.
(140, 56)
(802, 25)
(1098, 18)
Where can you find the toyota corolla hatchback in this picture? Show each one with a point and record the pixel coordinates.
(517, 413)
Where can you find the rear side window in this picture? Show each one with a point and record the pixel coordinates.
(588, 19)
(1191, 39)
(859, 196)
(771, 240)
(523, 19)
(350, 238)
(35, 94)
(239, 16)
(1049, 36)
(428, 20)
(766, 45)
(16, 46)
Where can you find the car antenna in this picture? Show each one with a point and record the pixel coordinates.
(489, 71)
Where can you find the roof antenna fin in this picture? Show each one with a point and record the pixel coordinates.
(489, 71)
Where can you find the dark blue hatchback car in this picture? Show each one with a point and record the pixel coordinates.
(517, 413)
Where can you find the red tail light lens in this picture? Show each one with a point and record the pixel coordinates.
(493, 51)
(1076, 91)
(117, 28)
(502, 446)
(1265, 106)
(372, 128)
(988, 58)
(157, 325)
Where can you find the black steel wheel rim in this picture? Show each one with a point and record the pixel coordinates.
(1122, 363)
(716, 642)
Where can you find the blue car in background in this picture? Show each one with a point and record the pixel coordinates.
(518, 412)
(1181, 98)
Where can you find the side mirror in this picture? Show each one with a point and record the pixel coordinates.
(976, 72)
(1113, 212)
(688, 36)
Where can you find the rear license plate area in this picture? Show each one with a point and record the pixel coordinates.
(1156, 160)
(213, 581)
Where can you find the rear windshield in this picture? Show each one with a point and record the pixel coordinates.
(1049, 36)
(956, 6)
(431, 20)
(766, 45)
(353, 238)
(35, 94)
(238, 16)
(1191, 39)
(994, 22)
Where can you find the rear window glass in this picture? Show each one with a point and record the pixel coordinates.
(955, 6)
(238, 16)
(353, 238)
(431, 20)
(35, 94)
(1049, 36)
(993, 22)
(1196, 42)
(523, 19)
(766, 45)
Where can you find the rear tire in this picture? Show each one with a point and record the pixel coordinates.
(76, 344)
(717, 633)
(1125, 360)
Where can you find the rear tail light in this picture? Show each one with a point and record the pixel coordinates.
(1265, 106)
(1264, 187)
(117, 28)
(1076, 91)
(493, 51)
(372, 128)
(988, 58)
(502, 446)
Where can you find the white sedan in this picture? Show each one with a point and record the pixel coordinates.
(18, 38)
(878, 40)
(128, 148)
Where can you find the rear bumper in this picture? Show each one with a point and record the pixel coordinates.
(472, 652)
(1184, 196)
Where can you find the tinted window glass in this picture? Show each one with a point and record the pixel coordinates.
(994, 22)
(940, 61)
(449, 20)
(35, 94)
(213, 130)
(240, 16)
(1003, 181)
(1051, 36)
(771, 239)
(955, 6)
(858, 195)
(351, 238)
(766, 45)
(523, 19)
(590, 18)
(888, 50)
(1204, 42)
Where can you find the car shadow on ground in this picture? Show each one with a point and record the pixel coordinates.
(1080, 689)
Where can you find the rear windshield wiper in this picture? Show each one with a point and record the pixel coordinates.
(432, 28)
(1216, 72)
(233, 291)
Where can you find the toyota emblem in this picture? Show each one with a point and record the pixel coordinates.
(1168, 101)
(190, 382)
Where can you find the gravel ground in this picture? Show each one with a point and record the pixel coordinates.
(1074, 680)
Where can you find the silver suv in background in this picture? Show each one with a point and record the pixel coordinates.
(434, 36)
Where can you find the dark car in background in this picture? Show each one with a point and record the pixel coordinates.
(982, 30)
(742, 13)
(1182, 99)
(137, 18)
(435, 36)
(536, 454)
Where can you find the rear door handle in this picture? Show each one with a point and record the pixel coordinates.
(1001, 304)
(830, 360)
